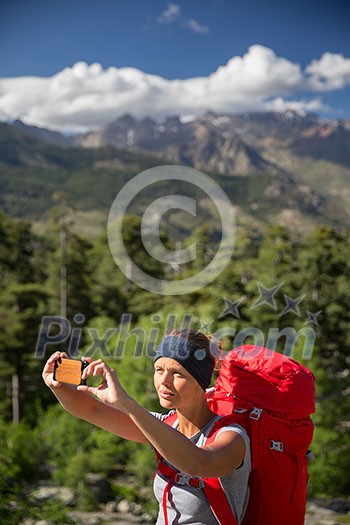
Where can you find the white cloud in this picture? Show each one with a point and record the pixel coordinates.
(170, 14)
(196, 26)
(302, 107)
(84, 97)
(332, 71)
(173, 13)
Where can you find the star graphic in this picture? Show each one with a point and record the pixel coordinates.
(231, 308)
(312, 317)
(292, 305)
(267, 295)
(205, 327)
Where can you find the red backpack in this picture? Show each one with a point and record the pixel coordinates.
(272, 397)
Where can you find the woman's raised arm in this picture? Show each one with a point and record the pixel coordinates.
(84, 406)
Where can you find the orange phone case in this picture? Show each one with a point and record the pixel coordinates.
(69, 371)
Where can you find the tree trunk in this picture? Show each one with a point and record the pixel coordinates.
(15, 398)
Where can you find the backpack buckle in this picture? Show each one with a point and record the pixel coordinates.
(240, 410)
(309, 456)
(256, 413)
(276, 445)
(183, 479)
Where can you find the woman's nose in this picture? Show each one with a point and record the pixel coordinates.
(166, 380)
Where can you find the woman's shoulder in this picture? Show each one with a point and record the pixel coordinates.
(226, 426)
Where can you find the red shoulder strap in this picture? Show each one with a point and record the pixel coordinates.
(213, 489)
(170, 418)
(218, 503)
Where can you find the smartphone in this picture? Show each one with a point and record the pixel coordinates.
(69, 371)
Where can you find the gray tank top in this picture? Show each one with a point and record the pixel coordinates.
(188, 505)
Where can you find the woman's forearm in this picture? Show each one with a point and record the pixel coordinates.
(76, 403)
(171, 444)
(86, 407)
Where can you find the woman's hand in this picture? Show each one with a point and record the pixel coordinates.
(49, 368)
(110, 390)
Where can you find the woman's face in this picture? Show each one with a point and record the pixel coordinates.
(174, 385)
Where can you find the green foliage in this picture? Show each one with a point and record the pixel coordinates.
(50, 444)
(22, 303)
(20, 462)
(142, 466)
(325, 265)
(109, 284)
(90, 449)
(331, 451)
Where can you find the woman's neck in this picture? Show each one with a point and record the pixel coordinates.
(192, 419)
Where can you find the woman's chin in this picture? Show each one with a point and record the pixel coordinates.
(166, 403)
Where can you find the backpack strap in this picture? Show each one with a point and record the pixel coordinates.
(174, 476)
(212, 487)
(218, 502)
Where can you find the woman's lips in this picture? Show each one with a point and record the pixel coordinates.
(165, 395)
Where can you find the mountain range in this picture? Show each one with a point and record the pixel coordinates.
(275, 167)
(220, 143)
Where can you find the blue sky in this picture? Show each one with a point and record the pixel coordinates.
(191, 41)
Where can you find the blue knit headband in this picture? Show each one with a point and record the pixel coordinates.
(193, 358)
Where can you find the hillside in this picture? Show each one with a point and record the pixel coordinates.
(296, 149)
(274, 167)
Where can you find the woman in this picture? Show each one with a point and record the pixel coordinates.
(183, 366)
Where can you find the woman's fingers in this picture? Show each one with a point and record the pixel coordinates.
(54, 357)
(49, 368)
(57, 356)
(89, 369)
(96, 368)
(88, 389)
